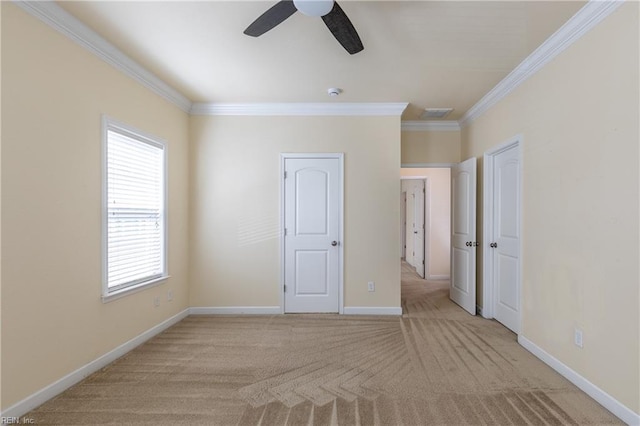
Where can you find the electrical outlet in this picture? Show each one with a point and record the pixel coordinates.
(577, 337)
(156, 301)
(371, 286)
(169, 295)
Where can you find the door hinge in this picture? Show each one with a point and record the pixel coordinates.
(285, 288)
(423, 262)
(285, 174)
(285, 232)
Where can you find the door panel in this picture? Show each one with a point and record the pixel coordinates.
(460, 187)
(506, 212)
(461, 262)
(312, 216)
(311, 202)
(311, 272)
(507, 294)
(463, 235)
(507, 186)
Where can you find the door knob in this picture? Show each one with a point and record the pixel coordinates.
(334, 243)
(494, 245)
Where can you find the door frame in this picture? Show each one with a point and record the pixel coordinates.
(335, 155)
(403, 224)
(428, 211)
(489, 292)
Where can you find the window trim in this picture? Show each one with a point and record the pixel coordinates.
(109, 124)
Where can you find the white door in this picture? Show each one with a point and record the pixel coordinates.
(505, 241)
(463, 235)
(312, 246)
(418, 229)
(410, 250)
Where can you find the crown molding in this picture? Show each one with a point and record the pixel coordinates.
(61, 20)
(579, 24)
(425, 126)
(290, 109)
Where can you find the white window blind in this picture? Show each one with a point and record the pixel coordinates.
(135, 192)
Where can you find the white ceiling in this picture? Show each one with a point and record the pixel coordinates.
(427, 53)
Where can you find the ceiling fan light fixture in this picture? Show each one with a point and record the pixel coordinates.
(314, 7)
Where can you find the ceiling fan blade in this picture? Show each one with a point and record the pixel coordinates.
(272, 17)
(343, 30)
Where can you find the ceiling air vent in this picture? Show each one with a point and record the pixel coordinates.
(435, 113)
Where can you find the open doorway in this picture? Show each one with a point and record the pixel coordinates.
(426, 238)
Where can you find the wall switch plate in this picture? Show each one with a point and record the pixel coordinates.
(371, 286)
(156, 301)
(577, 337)
(169, 295)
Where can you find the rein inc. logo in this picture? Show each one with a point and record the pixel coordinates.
(17, 421)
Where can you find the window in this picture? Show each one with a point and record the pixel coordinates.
(134, 212)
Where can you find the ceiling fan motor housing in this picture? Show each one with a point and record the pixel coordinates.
(314, 7)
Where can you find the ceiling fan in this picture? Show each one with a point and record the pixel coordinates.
(331, 13)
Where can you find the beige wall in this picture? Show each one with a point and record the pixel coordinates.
(53, 95)
(579, 118)
(430, 147)
(439, 212)
(235, 205)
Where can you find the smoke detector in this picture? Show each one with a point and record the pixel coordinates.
(334, 91)
(435, 113)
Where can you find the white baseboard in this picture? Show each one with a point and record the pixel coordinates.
(366, 310)
(276, 310)
(43, 395)
(437, 277)
(236, 310)
(607, 401)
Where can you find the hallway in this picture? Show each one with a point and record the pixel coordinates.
(476, 367)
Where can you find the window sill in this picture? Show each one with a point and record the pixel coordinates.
(133, 289)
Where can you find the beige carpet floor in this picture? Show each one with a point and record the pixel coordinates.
(436, 365)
